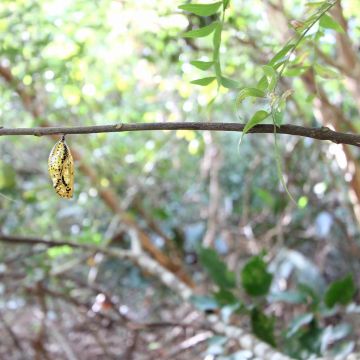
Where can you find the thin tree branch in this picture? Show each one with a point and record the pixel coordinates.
(323, 133)
(117, 253)
(110, 198)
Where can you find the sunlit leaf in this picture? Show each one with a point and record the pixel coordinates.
(262, 83)
(249, 92)
(226, 3)
(293, 71)
(59, 251)
(229, 83)
(217, 40)
(7, 176)
(281, 54)
(326, 72)
(204, 81)
(315, 3)
(257, 118)
(271, 76)
(327, 22)
(201, 32)
(202, 65)
(201, 9)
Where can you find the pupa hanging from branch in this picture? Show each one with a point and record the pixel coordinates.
(61, 169)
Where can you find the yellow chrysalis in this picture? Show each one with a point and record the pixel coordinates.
(61, 169)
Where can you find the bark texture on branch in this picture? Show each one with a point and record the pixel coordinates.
(323, 133)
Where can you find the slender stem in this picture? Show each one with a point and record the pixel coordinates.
(303, 35)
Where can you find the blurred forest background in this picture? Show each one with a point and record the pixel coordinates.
(178, 244)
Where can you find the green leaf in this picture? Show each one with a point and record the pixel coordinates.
(59, 251)
(201, 32)
(326, 72)
(216, 52)
(271, 77)
(7, 176)
(295, 71)
(255, 278)
(226, 3)
(204, 81)
(327, 22)
(298, 323)
(262, 84)
(278, 116)
(202, 65)
(229, 83)
(257, 118)
(216, 268)
(202, 9)
(315, 3)
(279, 56)
(217, 40)
(340, 291)
(263, 326)
(225, 297)
(265, 196)
(246, 92)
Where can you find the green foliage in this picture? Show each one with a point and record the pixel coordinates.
(340, 291)
(204, 81)
(156, 174)
(255, 278)
(225, 297)
(226, 3)
(327, 22)
(201, 32)
(57, 251)
(249, 92)
(271, 77)
(229, 83)
(202, 9)
(202, 65)
(215, 27)
(216, 268)
(281, 55)
(7, 176)
(326, 72)
(263, 326)
(257, 118)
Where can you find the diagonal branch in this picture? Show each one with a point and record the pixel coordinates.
(323, 133)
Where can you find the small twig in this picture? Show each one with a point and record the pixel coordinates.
(51, 243)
